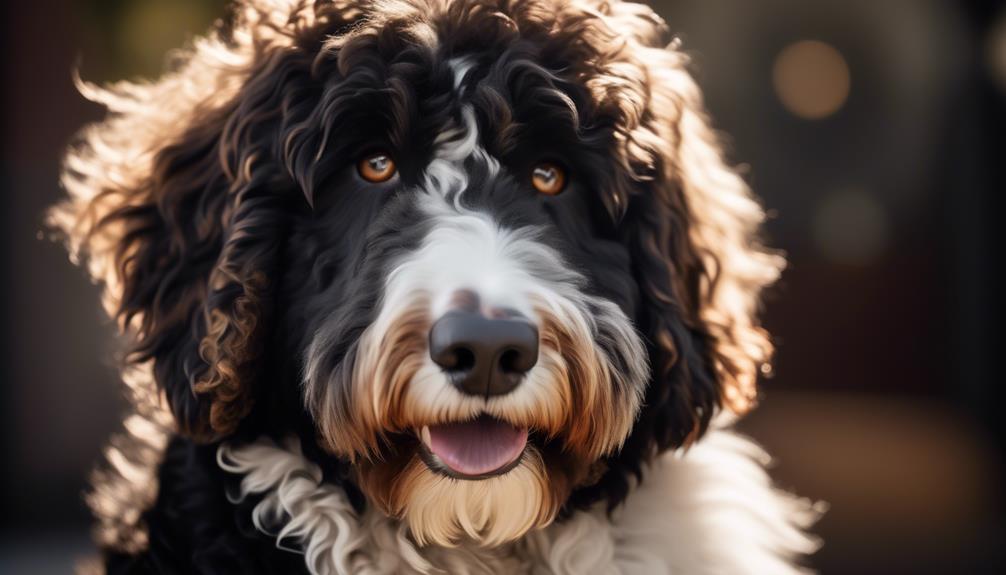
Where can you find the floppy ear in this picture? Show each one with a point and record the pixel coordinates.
(693, 234)
(724, 266)
(727, 266)
(699, 262)
(178, 208)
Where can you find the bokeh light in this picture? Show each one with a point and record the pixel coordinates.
(811, 79)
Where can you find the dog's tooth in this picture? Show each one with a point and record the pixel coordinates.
(424, 435)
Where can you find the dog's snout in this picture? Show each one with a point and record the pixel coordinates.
(484, 356)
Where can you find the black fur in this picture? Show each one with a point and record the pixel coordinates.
(195, 529)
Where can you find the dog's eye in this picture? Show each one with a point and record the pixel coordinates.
(548, 178)
(376, 168)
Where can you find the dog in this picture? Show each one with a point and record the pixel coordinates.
(428, 286)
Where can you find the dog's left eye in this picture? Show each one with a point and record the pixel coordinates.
(376, 168)
(548, 178)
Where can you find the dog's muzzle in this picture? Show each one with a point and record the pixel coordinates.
(484, 353)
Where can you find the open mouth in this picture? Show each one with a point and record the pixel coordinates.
(477, 449)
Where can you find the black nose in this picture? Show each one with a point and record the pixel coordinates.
(484, 356)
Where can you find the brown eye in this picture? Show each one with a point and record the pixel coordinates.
(376, 168)
(548, 178)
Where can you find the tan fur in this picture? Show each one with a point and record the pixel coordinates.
(126, 484)
(443, 511)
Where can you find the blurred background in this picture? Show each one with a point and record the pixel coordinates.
(874, 132)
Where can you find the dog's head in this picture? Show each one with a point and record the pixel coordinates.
(484, 253)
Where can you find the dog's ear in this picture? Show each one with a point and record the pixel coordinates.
(178, 209)
(693, 229)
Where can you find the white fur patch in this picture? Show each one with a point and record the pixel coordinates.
(460, 67)
(446, 176)
(711, 509)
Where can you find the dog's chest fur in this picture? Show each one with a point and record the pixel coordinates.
(708, 510)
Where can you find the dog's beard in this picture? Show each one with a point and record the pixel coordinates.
(442, 510)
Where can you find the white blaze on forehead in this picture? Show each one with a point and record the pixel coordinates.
(446, 175)
(468, 250)
(460, 66)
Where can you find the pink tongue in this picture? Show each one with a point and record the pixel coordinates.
(477, 447)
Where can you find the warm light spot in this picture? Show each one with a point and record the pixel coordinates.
(811, 79)
(150, 30)
(851, 227)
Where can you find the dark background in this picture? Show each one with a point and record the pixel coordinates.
(877, 147)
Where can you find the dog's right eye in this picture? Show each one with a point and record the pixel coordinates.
(548, 178)
(376, 168)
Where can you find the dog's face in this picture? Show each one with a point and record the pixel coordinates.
(462, 297)
(486, 253)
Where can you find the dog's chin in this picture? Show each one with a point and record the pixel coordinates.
(482, 480)
(493, 508)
